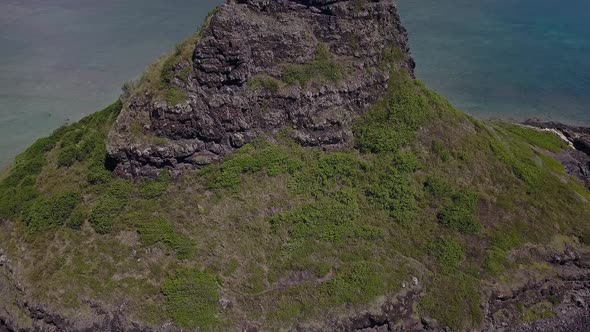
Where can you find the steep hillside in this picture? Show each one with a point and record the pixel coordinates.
(283, 170)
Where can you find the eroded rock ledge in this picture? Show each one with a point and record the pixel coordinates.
(249, 41)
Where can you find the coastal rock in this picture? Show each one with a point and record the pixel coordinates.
(238, 87)
(559, 300)
(576, 161)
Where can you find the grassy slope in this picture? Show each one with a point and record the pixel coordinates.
(427, 192)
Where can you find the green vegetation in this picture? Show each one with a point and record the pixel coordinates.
(322, 68)
(358, 282)
(393, 55)
(77, 218)
(543, 139)
(18, 190)
(160, 230)
(329, 219)
(110, 206)
(293, 234)
(175, 67)
(439, 149)
(55, 211)
(151, 189)
(394, 120)
(460, 214)
(67, 156)
(552, 164)
(252, 158)
(264, 83)
(448, 252)
(191, 298)
(511, 145)
(502, 240)
(395, 192)
(438, 187)
(538, 311)
(453, 300)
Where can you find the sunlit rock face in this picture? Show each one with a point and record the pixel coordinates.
(306, 67)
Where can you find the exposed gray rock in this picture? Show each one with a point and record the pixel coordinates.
(568, 292)
(243, 40)
(576, 161)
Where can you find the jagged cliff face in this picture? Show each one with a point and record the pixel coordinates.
(261, 66)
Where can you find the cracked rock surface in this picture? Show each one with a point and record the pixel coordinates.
(250, 39)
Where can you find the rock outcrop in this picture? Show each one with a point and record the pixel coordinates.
(307, 66)
(577, 160)
(556, 302)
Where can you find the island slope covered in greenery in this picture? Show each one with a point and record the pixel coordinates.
(427, 219)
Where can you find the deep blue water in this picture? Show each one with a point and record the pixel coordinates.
(63, 59)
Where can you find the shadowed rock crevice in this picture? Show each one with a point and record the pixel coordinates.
(4, 327)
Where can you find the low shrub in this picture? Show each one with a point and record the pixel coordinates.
(502, 240)
(14, 200)
(159, 230)
(98, 174)
(30, 163)
(538, 311)
(161, 78)
(51, 212)
(103, 117)
(339, 166)
(252, 158)
(67, 156)
(521, 159)
(393, 55)
(448, 252)
(406, 162)
(323, 68)
(326, 171)
(394, 191)
(191, 298)
(92, 147)
(77, 218)
(175, 96)
(394, 119)
(460, 214)
(357, 282)
(496, 260)
(438, 187)
(106, 213)
(109, 208)
(453, 300)
(390, 185)
(264, 83)
(441, 151)
(72, 135)
(151, 189)
(328, 219)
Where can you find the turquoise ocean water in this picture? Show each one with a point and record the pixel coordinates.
(63, 59)
(510, 59)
